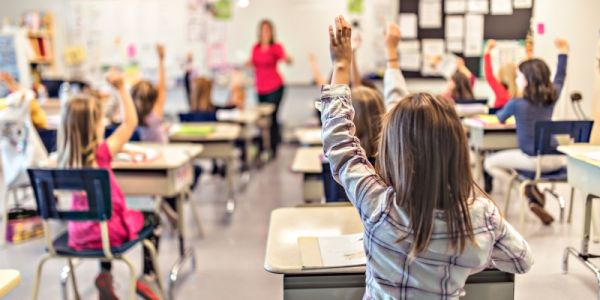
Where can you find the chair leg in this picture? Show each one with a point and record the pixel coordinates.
(559, 198)
(73, 279)
(523, 201)
(571, 205)
(153, 255)
(132, 279)
(64, 281)
(38, 276)
(511, 182)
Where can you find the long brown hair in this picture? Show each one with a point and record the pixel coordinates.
(78, 134)
(368, 105)
(539, 89)
(269, 23)
(462, 87)
(202, 95)
(144, 96)
(423, 155)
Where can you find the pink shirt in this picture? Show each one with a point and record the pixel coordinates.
(265, 61)
(124, 224)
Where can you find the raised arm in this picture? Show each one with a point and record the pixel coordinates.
(561, 69)
(507, 111)
(316, 73)
(130, 120)
(511, 253)
(394, 85)
(159, 106)
(11, 84)
(496, 86)
(349, 164)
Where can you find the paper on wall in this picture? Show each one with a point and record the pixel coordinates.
(478, 6)
(522, 3)
(455, 46)
(501, 7)
(473, 35)
(455, 6)
(430, 14)
(408, 25)
(433, 51)
(455, 26)
(404, 46)
(447, 66)
(410, 61)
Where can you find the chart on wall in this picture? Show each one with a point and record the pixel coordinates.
(436, 32)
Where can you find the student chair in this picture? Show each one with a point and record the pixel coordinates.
(48, 137)
(135, 137)
(47, 185)
(545, 144)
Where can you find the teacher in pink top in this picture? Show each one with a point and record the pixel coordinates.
(266, 54)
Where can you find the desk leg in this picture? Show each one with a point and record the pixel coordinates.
(587, 225)
(478, 164)
(230, 206)
(185, 253)
(266, 137)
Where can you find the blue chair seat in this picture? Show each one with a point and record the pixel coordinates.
(558, 175)
(61, 245)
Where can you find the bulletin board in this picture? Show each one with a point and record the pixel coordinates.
(500, 27)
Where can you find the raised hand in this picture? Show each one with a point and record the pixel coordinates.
(115, 78)
(160, 50)
(491, 44)
(561, 45)
(340, 49)
(340, 46)
(9, 81)
(392, 36)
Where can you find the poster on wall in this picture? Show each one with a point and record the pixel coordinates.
(473, 35)
(430, 14)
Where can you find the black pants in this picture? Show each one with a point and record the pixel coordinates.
(150, 219)
(274, 98)
(187, 83)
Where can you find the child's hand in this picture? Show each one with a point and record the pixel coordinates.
(160, 50)
(392, 36)
(115, 78)
(491, 44)
(340, 46)
(561, 45)
(312, 58)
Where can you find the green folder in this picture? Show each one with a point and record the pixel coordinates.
(195, 130)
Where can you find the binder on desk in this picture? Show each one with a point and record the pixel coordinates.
(332, 252)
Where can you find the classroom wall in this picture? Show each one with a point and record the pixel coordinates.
(578, 22)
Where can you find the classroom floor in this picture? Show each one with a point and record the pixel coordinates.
(230, 256)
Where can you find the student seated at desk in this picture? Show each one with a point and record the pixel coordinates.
(427, 225)
(537, 104)
(81, 145)
(460, 85)
(504, 85)
(38, 115)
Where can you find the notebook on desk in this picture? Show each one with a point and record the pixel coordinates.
(332, 252)
(197, 130)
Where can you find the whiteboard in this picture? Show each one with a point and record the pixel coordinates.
(183, 26)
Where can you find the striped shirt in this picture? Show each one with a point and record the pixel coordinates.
(439, 272)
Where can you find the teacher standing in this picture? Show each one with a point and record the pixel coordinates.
(266, 54)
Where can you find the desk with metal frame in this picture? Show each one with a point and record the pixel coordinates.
(220, 144)
(169, 175)
(309, 136)
(584, 175)
(283, 257)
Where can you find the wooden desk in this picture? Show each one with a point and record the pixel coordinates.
(489, 137)
(584, 175)
(309, 136)
(219, 144)
(283, 257)
(169, 175)
(307, 161)
(9, 279)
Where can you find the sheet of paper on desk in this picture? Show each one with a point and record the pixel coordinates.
(522, 3)
(455, 6)
(473, 35)
(478, 6)
(343, 250)
(430, 13)
(133, 153)
(595, 155)
(501, 7)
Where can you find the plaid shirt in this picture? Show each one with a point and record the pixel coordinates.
(438, 272)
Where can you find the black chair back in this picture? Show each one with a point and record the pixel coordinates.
(545, 143)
